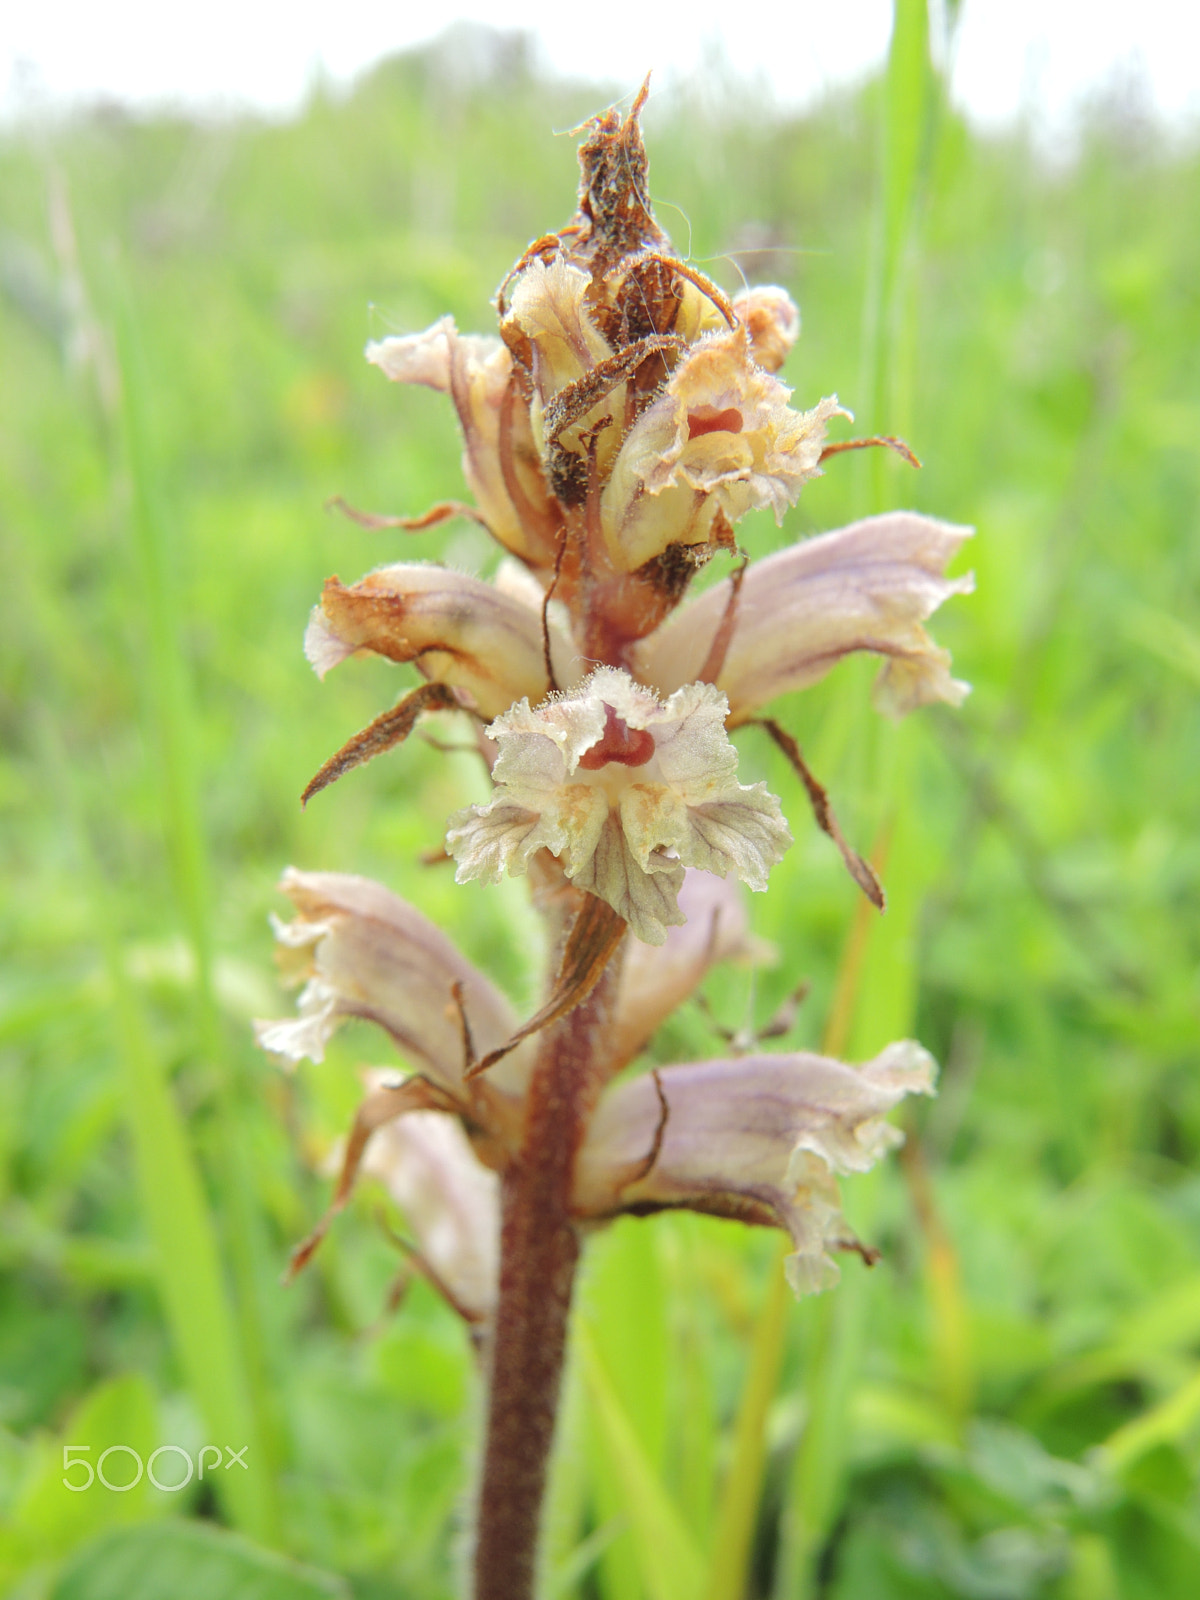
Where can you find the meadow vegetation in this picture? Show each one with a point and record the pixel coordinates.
(1008, 1405)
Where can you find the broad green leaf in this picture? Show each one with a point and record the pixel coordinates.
(176, 1559)
(119, 1417)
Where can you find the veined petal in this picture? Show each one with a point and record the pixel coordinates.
(744, 834)
(451, 1203)
(868, 586)
(475, 373)
(459, 631)
(694, 753)
(755, 1137)
(647, 896)
(366, 953)
(626, 792)
(500, 839)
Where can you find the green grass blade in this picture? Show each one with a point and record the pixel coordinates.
(874, 1004)
(188, 1270)
(624, 1302)
(670, 1565)
(1168, 1422)
(906, 141)
(836, 1340)
(189, 1267)
(743, 1483)
(173, 721)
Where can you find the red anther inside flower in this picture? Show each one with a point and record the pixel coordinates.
(706, 419)
(631, 747)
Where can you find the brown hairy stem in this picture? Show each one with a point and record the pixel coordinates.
(539, 1249)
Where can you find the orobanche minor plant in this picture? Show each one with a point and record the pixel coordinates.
(624, 421)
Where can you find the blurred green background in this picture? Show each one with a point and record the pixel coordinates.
(1009, 1404)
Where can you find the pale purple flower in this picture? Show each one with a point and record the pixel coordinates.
(759, 1138)
(450, 1201)
(867, 587)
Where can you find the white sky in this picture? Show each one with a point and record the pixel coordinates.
(1044, 54)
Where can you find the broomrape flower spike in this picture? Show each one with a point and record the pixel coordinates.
(623, 422)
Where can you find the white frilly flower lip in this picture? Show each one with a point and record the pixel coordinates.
(759, 1138)
(868, 586)
(721, 436)
(626, 792)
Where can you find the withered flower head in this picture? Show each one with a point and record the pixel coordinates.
(630, 416)
(614, 435)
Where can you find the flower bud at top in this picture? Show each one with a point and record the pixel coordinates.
(770, 318)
